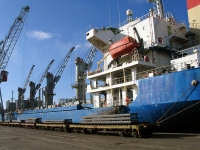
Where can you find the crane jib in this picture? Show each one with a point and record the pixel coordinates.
(10, 41)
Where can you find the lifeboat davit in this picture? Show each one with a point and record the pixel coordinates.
(123, 47)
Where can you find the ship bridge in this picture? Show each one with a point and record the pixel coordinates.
(100, 38)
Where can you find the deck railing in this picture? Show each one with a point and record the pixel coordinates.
(138, 20)
(135, 57)
(165, 69)
(187, 49)
(150, 73)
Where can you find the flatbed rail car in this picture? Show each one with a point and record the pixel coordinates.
(62, 125)
(135, 130)
(11, 122)
(16, 123)
(124, 124)
(30, 122)
(5, 122)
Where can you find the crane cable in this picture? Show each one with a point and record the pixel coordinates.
(169, 5)
(72, 70)
(24, 53)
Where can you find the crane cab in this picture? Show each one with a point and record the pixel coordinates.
(3, 76)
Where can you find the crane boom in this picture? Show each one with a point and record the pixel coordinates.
(141, 48)
(28, 78)
(43, 76)
(90, 58)
(62, 67)
(7, 46)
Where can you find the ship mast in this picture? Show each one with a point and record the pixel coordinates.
(159, 7)
(160, 10)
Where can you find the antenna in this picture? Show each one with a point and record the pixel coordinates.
(119, 12)
(109, 15)
(12, 96)
(159, 7)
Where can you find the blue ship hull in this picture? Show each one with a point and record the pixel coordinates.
(170, 96)
(158, 94)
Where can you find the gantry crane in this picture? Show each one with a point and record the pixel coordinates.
(52, 79)
(8, 44)
(82, 66)
(34, 88)
(21, 91)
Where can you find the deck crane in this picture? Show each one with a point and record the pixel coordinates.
(8, 44)
(34, 88)
(141, 48)
(21, 91)
(82, 66)
(52, 79)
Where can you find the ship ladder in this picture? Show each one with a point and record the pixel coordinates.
(194, 83)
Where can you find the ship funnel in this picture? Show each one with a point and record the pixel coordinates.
(129, 14)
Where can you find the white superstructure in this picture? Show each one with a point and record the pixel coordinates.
(115, 82)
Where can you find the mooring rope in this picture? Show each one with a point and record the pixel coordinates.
(179, 112)
(174, 105)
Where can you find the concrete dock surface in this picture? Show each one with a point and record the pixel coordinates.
(15, 138)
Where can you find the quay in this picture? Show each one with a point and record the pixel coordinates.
(31, 139)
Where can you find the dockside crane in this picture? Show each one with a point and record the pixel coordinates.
(21, 91)
(34, 88)
(7, 47)
(82, 66)
(52, 79)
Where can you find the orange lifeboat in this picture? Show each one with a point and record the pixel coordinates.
(123, 47)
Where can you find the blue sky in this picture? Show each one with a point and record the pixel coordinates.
(54, 26)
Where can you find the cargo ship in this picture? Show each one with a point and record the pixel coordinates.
(150, 67)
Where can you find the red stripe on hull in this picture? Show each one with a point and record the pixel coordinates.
(192, 3)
